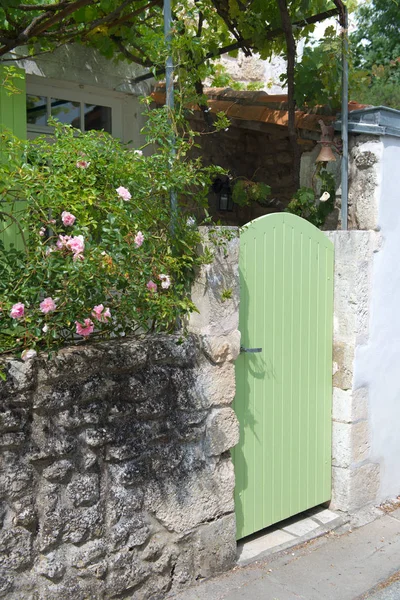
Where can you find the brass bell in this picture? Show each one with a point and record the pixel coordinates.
(325, 155)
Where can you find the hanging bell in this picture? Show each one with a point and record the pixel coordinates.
(325, 155)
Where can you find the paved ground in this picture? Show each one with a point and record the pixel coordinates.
(386, 590)
(355, 565)
(292, 532)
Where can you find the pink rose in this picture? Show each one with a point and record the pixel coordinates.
(166, 281)
(62, 241)
(28, 354)
(67, 218)
(76, 244)
(151, 286)
(82, 164)
(48, 305)
(85, 329)
(123, 193)
(101, 316)
(139, 239)
(42, 231)
(17, 311)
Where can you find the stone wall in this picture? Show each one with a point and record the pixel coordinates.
(366, 407)
(355, 477)
(116, 477)
(259, 156)
(365, 174)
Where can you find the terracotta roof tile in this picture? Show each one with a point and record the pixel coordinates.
(259, 106)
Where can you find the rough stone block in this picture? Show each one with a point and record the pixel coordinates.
(205, 495)
(12, 420)
(84, 490)
(366, 154)
(175, 350)
(353, 488)
(58, 471)
(342, 405)
(354, 254)
(350, 405)
(50, 567)
(350, 443)
(216, 385)
(125, 572)
(219, 349)
(16, 549)
(217, 314)
(343, 356)
(222, 431)
(20, 377)
(215, 547)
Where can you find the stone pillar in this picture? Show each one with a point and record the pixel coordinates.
(355, 479)
(365, 166)
(216, 296)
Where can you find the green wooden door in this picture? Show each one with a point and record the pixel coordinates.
(283, 394)
(12, 118)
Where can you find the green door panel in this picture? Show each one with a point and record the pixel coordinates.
(283, 394)
(13, 118)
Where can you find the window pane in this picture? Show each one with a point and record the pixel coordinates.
(97, 117)
(36, 109)
(66, 111)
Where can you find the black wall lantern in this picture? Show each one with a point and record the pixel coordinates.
(222, 189)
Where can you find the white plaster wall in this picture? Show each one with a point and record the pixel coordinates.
(83, 69)
(377, 363)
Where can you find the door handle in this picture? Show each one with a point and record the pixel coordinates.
(251, 350)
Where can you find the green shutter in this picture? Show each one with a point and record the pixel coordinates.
(13, 118)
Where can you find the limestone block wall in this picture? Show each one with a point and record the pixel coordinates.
(365, 176)
(366, 403)
(355, 475)
(116, 479)
(377, 361)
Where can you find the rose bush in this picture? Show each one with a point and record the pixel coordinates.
(101, 257)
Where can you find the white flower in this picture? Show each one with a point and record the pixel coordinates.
(28, 354)
(191, 221)
(138, 152)
(325, 196)
(165, 281)
(45, 328)
(123, 193)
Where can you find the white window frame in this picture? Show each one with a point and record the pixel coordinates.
(52, 88)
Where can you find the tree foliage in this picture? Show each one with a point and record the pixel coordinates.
(376, 40)
(376, 53)
(374, 58)
(133, 29)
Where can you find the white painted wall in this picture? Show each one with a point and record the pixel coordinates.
(84, 69)
(377, 363)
